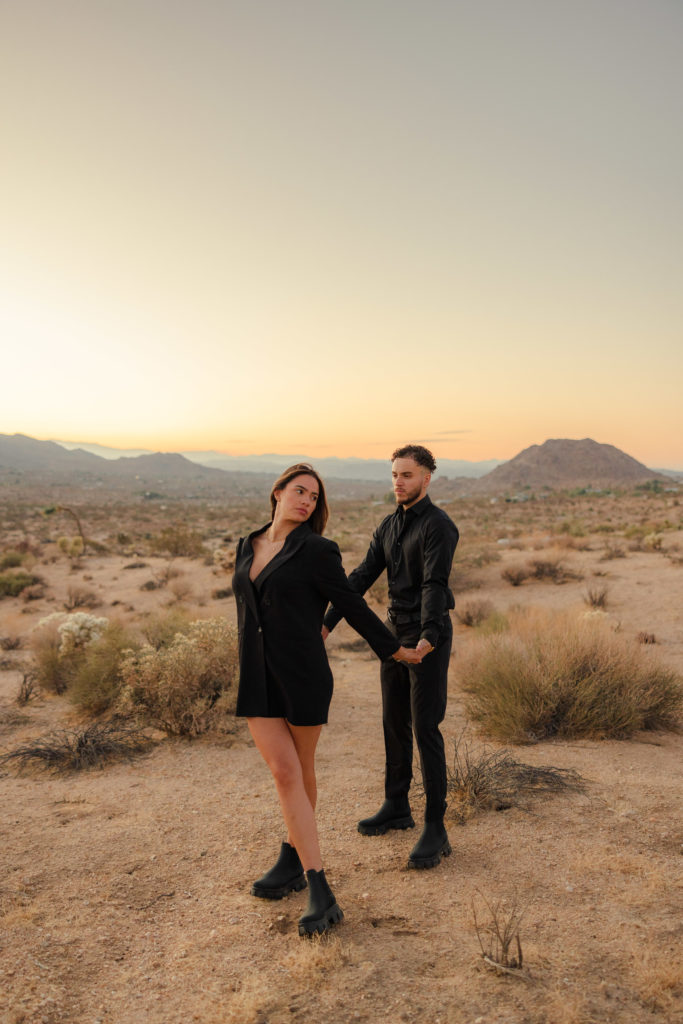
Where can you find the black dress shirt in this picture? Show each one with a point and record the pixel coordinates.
(416, 547)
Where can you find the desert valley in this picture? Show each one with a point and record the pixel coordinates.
(124, 889)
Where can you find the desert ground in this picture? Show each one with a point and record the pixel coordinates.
(124, 891)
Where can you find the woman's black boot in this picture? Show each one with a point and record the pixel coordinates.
(322, 910)
(286, 875)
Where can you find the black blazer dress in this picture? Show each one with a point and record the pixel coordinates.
(284, 672)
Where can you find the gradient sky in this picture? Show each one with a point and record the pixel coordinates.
(331, 226)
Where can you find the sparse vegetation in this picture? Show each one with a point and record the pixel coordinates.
(551, 675)
(515, 575)
(188, 686)
(500, 935)
(473, 612)
(596, 597)
(178, 540)
(80, 749)
(488, 779)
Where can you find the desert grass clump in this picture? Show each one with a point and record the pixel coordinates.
(188, 686)
(596, 597)
(515, 575)
(80, 749)
(474, 612)
(12, 583)
(488, 779)
(10, 643)
(554, 675)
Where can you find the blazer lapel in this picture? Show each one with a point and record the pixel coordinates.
(246, 558)
(295, 541)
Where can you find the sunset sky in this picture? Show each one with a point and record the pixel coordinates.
(332, 226)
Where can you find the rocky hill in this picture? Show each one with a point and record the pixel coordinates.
(563, 464)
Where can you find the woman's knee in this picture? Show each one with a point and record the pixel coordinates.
(286, 772)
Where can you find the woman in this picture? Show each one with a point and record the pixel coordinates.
(286, 573)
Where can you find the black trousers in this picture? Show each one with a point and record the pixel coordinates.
(414, 699)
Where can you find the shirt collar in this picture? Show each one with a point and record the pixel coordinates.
(418, 509)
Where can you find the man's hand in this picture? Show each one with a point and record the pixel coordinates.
(408, 655)
(325, 633)
(424, 647)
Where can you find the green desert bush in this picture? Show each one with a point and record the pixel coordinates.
(160, 629)
(178, 541)
(554, 675)
(95, 678)
(11, 560)
(12, 583)
(187, 686)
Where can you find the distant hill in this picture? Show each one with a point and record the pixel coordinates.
(274, 463)
(562, 464)
(27, 460)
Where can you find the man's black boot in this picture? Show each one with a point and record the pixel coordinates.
(286, 875)
(323, 910)
(392, 814)
(432, 844)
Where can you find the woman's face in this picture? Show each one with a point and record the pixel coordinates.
(296, 501)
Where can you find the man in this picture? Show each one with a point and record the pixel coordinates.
(415, 545)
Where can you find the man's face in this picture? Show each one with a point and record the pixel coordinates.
(410, 481)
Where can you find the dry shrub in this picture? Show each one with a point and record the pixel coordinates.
(494, 780)
(499, 938)
(474, 612)
(551, 569)
(596, 597)
(612, 551)
(79, 597)
(515, 574)
(188, 686)
(10, 643)
(553, 675)
(70, 751)
(179, 540)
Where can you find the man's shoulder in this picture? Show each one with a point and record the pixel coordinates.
(439, 518)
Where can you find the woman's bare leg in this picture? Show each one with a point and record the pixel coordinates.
(275, 740)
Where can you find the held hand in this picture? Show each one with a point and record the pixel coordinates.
(408, 655)
(325, 633)
(424, 647)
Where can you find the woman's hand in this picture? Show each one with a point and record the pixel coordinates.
(409, 655)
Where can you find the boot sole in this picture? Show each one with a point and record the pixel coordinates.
(296, 885)
(321, 924)
(431, 862)
(380, 830)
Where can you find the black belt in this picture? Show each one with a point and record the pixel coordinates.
(403, 618)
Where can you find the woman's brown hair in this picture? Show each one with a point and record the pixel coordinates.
(318, 517)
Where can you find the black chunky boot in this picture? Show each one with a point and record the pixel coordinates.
(430, 846)
(323, 910)
(392, 814)
(286, 875)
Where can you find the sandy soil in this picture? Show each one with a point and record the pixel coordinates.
(124, 893)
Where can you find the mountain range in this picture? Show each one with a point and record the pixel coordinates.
(555, 464)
